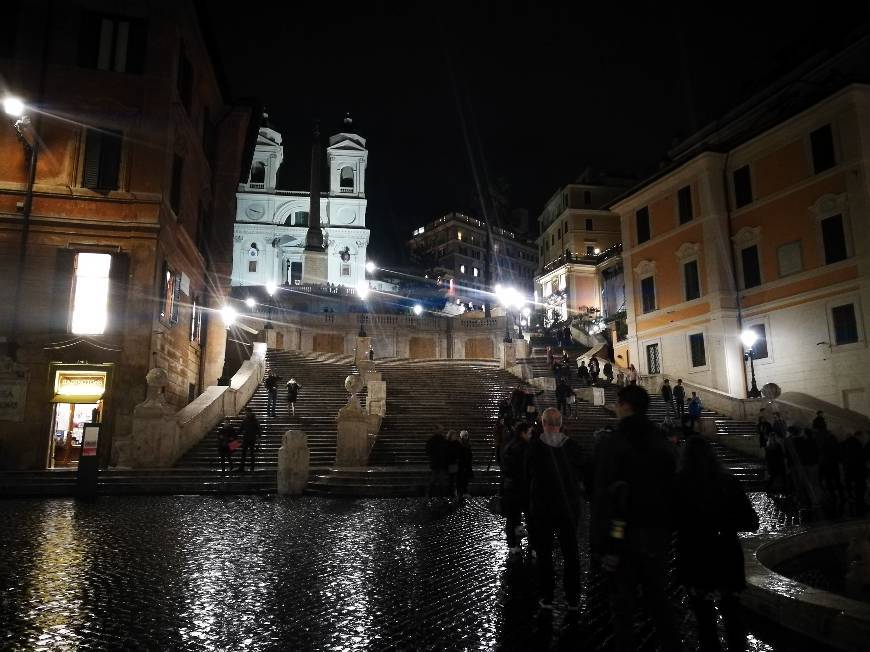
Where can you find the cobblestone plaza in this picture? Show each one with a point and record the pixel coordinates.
(254, 573)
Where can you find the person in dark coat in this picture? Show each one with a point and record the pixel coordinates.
(518, 403)
(608, 371)
(763, 428)
(515, 484)
(371, 353)
(226, 434)
(563, 391)
(292, 394)
(250, 430)
(594, 370)
(855, 471)
(466, 472)
(555, 465)
(583, 374)
(454, 455)
(711, 509)
(632, 516)
(819, 422)
(271, 384)
(680, 398)
(668, 397)
(436, 450)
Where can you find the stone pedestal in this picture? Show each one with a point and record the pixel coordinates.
(152, 440)
(352, 443)
(376, 402)
(293, 463)
(315, 270)
(509, 355)
(598, 396)
(361, 354)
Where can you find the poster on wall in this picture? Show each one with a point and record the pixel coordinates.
(13, 390)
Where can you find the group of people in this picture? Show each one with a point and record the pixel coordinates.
(450, 463)
(271, 384)
(641, 492)
(675, 399)
(821, 469)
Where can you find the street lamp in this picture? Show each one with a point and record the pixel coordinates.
(229, 315)
(371, 267)
(250, 302)
(418, 309)
(507, 296)
(750, 337)
(362, 291)
(526, 312)
(271, 288)
(13, 106)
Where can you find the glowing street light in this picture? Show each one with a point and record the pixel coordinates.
(13, 106)
(362, 290)
(271, 288)
(749, 337)
(418, 309)
(229, 315)
(371, 267)
(250, 302)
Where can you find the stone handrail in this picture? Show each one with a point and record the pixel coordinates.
(160, 435)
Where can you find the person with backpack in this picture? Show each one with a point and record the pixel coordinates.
(632, 511)
(680, 399)
(711, 509)
(695, 408)
(292, 394)
(555, 465)
(250, 430)
(271, 384)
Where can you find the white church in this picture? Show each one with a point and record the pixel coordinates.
(270, 228)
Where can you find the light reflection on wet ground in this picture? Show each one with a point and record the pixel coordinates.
(248, 573)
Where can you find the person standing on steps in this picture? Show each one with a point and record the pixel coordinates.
(632, 375)
(250, 429)
(555, 470)
(711, 508)
(632, 516)
(563, 390)
(271, 384)
(466, 472)
(371, 353)
(668, 397)
(763, 429)
(227, 443)
(819, 422)
(680, 399)
(292, 394)
(515, 485)
(594, 370)
(583, 372)
(608, 371)
(694, 410)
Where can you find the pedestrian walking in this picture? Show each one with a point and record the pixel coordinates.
(634, 472)
(608, 371)
(668, 397)
(711, 508)
(680, 398)
(550, 357)
(855, 471)
(227, 443)
(271, 384)
(515, 485)
(371, 353)
(594, 370)
(695, 408)
(250, 430)
(763, 429)
(563, 390)
(292, 394)
(632, 375)
(583, 373)
(454, 454)
(532, 406)
(436, 451)
(466, 471)
(555, 470)
(518, 403)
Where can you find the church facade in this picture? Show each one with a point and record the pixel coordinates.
(270, 227)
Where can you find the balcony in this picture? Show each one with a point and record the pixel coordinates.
(256, 186)
(582, 259)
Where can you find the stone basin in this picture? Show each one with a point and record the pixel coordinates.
(794, 579)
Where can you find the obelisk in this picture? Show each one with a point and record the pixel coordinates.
(315, 270)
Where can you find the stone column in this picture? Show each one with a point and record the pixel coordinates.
(352, 442)
(293, 463)
(509, 355)
(153, 440)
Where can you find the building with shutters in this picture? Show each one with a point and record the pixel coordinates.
(114, 266)
(761, 222)
(271, 224)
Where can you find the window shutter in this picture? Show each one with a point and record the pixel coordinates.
(93, 153)
(64, 268)
(136, 46)
(89, 40)
(119, 274)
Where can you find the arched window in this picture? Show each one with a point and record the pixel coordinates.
(347, 177)
(258, 172)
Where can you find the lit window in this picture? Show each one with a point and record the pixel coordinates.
(476, 272)
(195, 321)
(462, 269)
(91, 298)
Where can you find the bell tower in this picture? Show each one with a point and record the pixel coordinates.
(347, 157)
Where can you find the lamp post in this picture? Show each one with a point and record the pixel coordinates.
(749, 338)
(14, 107)
(526, 312)
(504, 297)
(362, 291)
(271, 288)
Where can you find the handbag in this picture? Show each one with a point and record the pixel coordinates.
(234, 445)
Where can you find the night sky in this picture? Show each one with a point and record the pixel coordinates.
(542, 91)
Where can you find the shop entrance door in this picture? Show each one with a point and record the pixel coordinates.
(67, 430)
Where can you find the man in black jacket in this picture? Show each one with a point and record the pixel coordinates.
(515, 483)
(437, 451)
(555, 465)
(250, 429)
(632, 519)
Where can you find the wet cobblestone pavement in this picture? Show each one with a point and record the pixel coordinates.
(252, 573)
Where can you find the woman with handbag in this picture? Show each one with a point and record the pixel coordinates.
(711, 509)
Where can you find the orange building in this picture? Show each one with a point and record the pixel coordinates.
(111, 268)
(761, 223)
